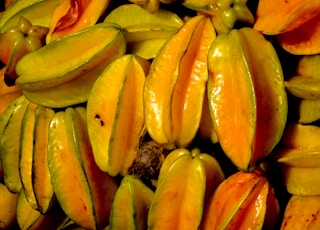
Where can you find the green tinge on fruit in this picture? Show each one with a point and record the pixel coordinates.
(128, 15)
(224, 13)
(304, 87)
(301, 180)
(115, 114)
(26, 154)
(42, 185)
(308, 111)
(10, 148)
(62, 73)
(131, 204)
(14, 8)
(38, 13)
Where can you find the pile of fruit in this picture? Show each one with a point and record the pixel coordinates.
(159, 114)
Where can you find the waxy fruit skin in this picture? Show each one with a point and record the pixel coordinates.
(245, 200)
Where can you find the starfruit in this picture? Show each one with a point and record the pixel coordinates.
(176, 83)
(247, 96)
(224, 13)
(71, 16)
(298, 159)
(131, 204)
(301, 212)
(186, 181)
(145, 32)
(115, 114)
(84, 192)
(245, 200)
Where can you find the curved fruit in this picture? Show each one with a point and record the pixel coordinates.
(274, 17)
(33, 162)
(145, 32)
(10, 147)
(302, 40)
(71, 16)
(247, 97)
(176, 83)
(115, 114)
(189, 181)
(245, 200)
(303, 87)
(128, 15)
(70, 82)
(131, 204)
(26, 154)
(41, 178)
(299, 169)
(84, 192)
(301, 212)
(29, 218)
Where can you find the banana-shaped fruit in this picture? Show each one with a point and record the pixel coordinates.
(303, 87)
(69, 82)
(72, 16)
(115, 114)
(245, 200)
(186, 181)
(176, 83)
(31, 219)
(247, 96)
(8, 204)
(301, 212)
(299, 169)
(38, 12)
(33, 164)
(298, 158)
(41, 178)
(130, 205)
(26, 153)
(84, 192)
(9, 143)
(145, 32)
(224, 13)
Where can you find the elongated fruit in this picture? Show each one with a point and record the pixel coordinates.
(115, 114)
(176, 83)
(69, 82)
(247, 97)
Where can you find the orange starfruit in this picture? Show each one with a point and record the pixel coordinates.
(71, 16)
